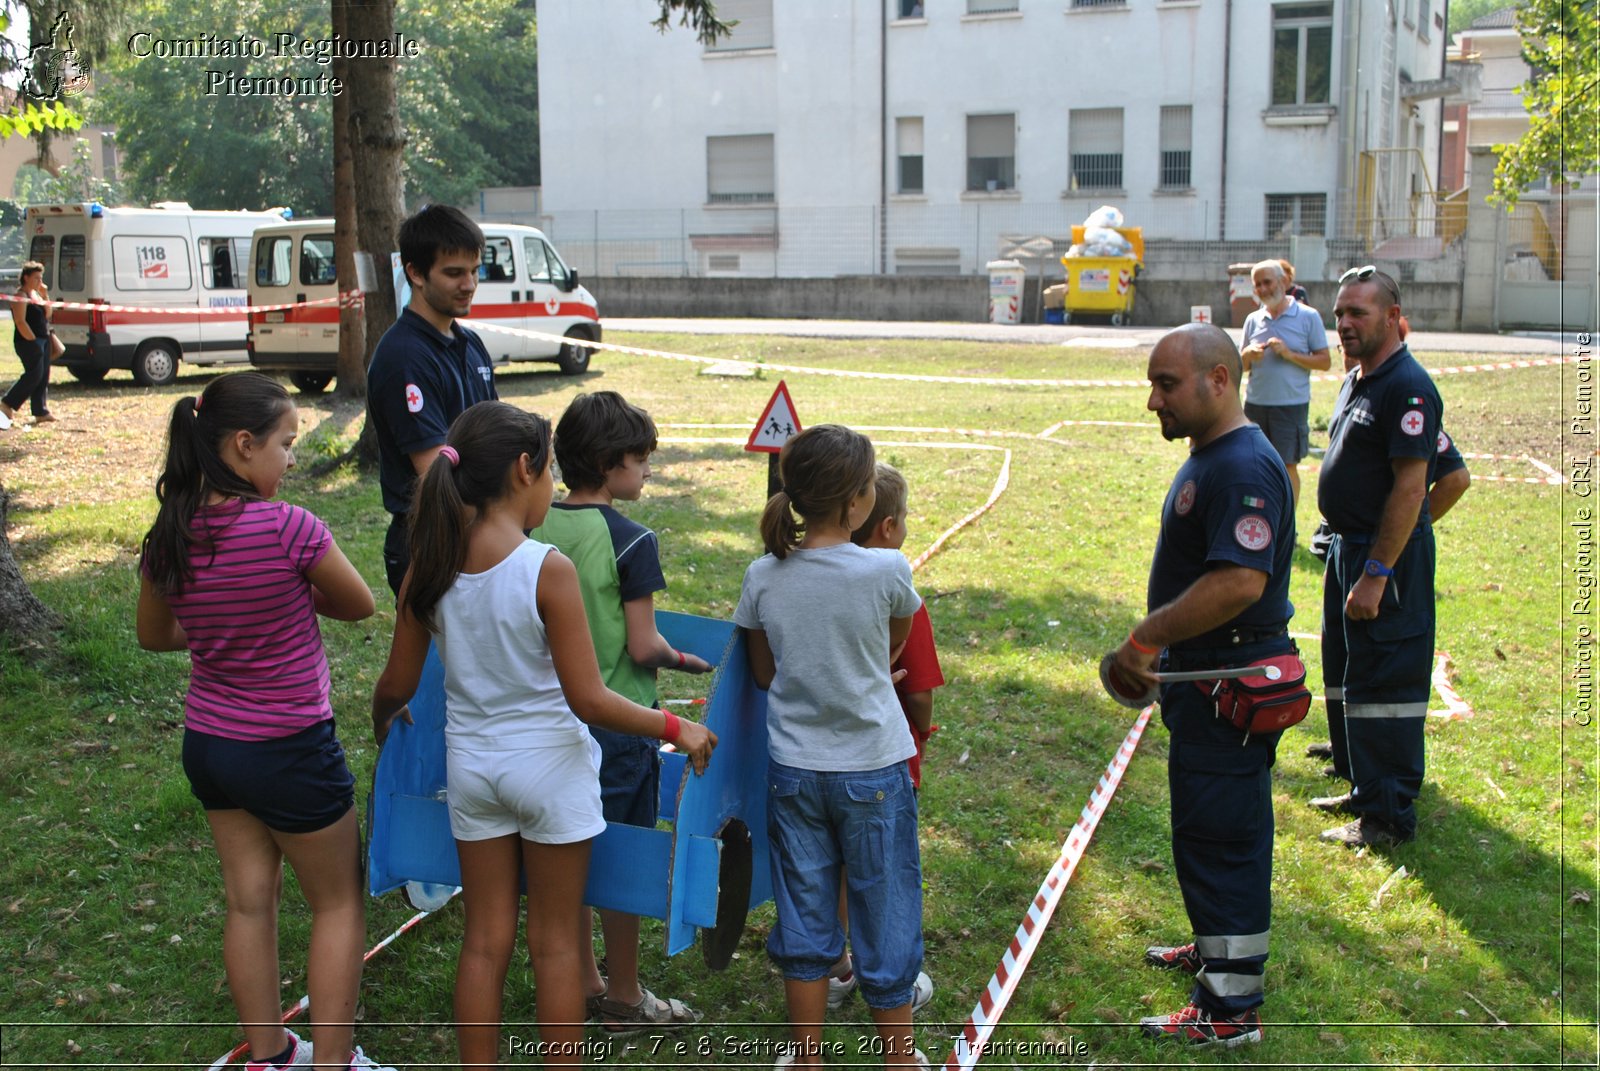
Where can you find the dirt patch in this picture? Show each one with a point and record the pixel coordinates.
(106, 444)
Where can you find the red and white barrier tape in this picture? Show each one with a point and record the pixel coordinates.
(1466, 369)
(347, 299)
(974, 1037)
(1000, 484)
(1455, 708)
(305, 1002)
(908, 377)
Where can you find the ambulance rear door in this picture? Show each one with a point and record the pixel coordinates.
(223, 259)
(500, 297)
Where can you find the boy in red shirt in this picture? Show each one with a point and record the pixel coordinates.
(886, 528)
(918, 660)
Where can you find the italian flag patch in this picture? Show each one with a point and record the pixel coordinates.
(1254, 503)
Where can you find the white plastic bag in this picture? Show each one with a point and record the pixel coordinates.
(1104, 216)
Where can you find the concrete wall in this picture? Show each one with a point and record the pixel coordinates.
(1159, 303)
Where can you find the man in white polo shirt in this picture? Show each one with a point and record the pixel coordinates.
(1284, 342)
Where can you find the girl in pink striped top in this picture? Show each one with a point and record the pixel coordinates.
(238, 580)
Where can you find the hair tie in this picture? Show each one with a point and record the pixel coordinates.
(197, 401)
(449, 454)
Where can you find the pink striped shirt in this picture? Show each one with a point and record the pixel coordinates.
(258, 669)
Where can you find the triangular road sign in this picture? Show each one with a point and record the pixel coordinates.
(778, 424)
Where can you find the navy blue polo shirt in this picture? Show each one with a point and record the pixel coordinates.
(419, 381)
(1393, 413)
(1229, 504)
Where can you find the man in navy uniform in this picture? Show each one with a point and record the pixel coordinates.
(1218, 596)
(427, 369)
(1377, 605)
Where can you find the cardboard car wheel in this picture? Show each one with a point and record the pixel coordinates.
(718, 944)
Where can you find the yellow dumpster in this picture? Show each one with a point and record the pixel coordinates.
(1103, 286)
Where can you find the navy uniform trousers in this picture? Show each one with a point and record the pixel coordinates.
(1221, 787)
(1378, 675)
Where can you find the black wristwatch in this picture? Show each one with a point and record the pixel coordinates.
(1377, 568)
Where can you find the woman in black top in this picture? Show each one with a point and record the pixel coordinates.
(31, 338)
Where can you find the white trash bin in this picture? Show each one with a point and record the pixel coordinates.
(1006, 278)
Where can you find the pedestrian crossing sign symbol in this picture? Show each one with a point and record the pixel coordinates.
(778, 423)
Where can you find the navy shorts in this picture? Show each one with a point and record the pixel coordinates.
(293, 784)
(630, 778)
(1287, 428)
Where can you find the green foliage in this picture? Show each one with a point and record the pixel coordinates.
(698, 15)
(1463, 12)
(470, 103)
(75, 182)
(467, 102)
(1561, 43)
(34, 118)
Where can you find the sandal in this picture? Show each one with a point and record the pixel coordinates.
(591, 1005)
(620, 1018)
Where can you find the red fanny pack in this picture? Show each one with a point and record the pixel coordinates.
(1262, 705)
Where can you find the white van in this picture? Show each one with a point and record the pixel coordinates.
(131, 258)
(522, 283)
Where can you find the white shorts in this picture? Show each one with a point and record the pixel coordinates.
(548, 795)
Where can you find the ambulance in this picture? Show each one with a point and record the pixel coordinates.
(130, 259)
(522, 283)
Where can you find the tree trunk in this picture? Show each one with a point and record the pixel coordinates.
(352, 366)
(377, 140)
(24, 620)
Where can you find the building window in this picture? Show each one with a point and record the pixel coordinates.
(1302, 53)
(739, 170)
(1099, 3)
(1424, 19)
(1296, 213)
(991, 152)
(908, 146)
(990, 7)
(1094, 137)
(909, 9)
(1176, 143)
(754, 29)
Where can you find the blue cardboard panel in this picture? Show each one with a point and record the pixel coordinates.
(669, 874)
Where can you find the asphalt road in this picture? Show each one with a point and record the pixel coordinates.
(1531, 344)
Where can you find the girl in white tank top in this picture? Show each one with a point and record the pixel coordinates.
(520, 674)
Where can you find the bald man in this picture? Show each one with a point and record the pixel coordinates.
(1218, 596)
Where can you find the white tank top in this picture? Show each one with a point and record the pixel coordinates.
(500, 684)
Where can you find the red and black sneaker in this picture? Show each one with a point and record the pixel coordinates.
(1174, 958)
(1198, 1027)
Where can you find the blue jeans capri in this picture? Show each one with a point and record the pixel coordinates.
(866, 822)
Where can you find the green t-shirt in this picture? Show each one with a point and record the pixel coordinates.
(618, 560)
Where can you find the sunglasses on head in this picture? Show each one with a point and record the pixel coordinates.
(1367, 272)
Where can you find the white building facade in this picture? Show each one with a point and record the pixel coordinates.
(839, 137)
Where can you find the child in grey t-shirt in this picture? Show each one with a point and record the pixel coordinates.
(821, 617)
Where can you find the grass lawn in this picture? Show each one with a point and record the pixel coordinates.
(110, 897)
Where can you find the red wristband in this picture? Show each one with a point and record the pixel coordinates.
(682, 661)
(673, 727)
(1141, 648)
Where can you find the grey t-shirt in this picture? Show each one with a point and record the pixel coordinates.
(826, 615)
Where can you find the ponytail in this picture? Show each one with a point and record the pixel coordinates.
(194, 469)
(822, 469)
(471, 471)
(780, 528)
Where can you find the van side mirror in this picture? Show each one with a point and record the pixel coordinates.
(572, 280)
